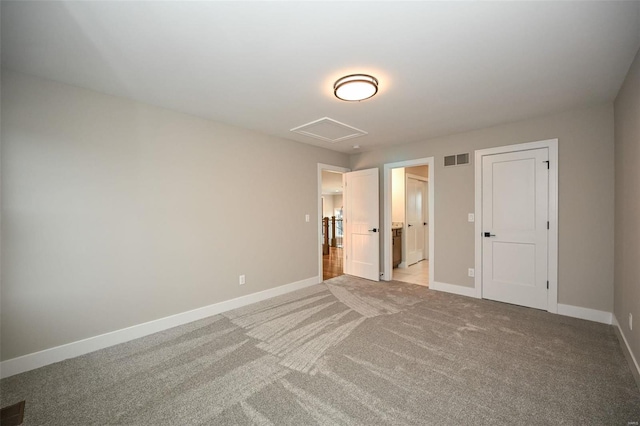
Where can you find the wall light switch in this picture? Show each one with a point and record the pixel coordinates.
(472, 272)
(471, 217)
(306, 218)
(242, 280)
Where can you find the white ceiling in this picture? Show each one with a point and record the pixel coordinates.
(443, 67)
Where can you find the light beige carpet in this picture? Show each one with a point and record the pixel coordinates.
(347, 352)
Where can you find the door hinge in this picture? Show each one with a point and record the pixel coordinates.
(548, 164)
(548, 225)
(547, 285)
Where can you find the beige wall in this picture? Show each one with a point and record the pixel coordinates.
(627, 205)
(331, 203)
(586, 183)
(112, 213)
(337, 203)
(418, 171)
(327, 205)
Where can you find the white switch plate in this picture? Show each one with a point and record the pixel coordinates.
(242, 279)
(472, 272)
(306, 218)
(471, 217)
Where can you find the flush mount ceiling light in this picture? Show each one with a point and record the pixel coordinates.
(355, 87)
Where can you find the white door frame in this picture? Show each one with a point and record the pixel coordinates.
(387, 247)
(552, 253)
(330, 168)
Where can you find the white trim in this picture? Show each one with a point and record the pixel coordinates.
(81, 347)
(585, 313)
(552, 145)
(322, 167)
(452, 288)
(626, 342)
(387, 250)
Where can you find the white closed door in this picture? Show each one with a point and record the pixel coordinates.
(362, 228)
(416, 223)
(515, 200)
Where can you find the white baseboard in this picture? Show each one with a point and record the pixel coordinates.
(585, 313)
(566, 310)
(35, 360)
(626, 342)
(455, 289)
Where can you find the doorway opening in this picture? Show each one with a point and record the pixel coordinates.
(331, 213)
(409, 210)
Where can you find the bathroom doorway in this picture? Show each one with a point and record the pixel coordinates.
(408, 246)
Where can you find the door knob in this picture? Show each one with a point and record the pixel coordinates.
(374, 229)
(488, 234)
(424, 223)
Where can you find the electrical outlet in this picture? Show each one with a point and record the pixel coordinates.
(630, 321)
(472, 272)
(242, 279)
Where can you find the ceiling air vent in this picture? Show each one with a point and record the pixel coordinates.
(456, 160)
(328, 129)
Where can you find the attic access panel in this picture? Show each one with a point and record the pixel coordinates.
(328, 129)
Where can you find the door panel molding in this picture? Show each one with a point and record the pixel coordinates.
(515, 214)
(552, 241)
(410, 232)
(362, 223)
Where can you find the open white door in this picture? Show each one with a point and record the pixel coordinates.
(416, 223)
(362, 228)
